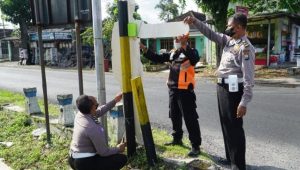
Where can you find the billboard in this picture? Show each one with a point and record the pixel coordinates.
(51, 36)
(60, 12)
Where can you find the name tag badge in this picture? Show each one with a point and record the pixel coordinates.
(233, 83)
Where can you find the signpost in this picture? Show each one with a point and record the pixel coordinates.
(59, 13)
(126, 64)
(63, 13)
(42, 61)
(126, 77)
(139, 98)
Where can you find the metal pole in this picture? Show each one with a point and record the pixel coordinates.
(44, 83)
(42, 62)
(269, 43)
(79, 57)
(126, 77)
(78, 46)
(99, 57)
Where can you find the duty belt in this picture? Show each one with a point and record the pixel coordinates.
(76, 155)
(225, 80)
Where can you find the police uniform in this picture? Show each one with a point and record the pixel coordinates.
(182, 99)
(237, 59)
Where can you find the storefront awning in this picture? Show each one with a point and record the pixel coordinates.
(266, 16)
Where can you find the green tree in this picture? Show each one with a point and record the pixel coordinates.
(257, 6)
(136, 15)
(182, 5)
(107, 27)
(18, 12)
(218, 10)
(108, 24)
(87, 36)
(168, 9)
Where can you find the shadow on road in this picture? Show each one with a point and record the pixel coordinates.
(253, 167)
(225, 164)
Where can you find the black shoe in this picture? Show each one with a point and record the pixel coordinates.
(174, 142)
(194, 152)
(223, 161)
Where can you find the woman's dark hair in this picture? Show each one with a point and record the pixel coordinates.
(240, 19)
(84, 104)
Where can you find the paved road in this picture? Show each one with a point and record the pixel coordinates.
(272, 124)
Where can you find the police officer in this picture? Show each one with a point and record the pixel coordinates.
(181, 85)
(235, 83)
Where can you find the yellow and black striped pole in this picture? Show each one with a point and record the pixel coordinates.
(139, 98)
(126, 77)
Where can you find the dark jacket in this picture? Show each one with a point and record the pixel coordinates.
(182, 62)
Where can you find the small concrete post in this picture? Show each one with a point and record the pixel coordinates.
(67, 113)
(32, 106)
(116, 124)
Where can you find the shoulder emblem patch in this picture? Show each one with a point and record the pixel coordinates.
(246, 54)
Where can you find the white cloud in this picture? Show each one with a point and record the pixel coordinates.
(148, 11)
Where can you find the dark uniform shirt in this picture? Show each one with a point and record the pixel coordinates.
(237, 59)
(180, 61)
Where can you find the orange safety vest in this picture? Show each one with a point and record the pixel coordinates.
(186, 75)
(182, 70)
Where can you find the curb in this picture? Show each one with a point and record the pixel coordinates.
(276, 84)
(261, 82)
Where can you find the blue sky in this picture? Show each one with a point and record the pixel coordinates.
(147, 9)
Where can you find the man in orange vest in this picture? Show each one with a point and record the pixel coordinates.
(181, 83)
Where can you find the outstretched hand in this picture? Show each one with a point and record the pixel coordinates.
(189, 20)
(118, 97)
(122, 146)
(142, 46)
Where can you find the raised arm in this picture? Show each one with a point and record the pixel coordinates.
(108, 106)
(105, 108)
(218, 38)
(165, 57)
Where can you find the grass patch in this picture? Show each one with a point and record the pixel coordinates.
(31, 153)
(269, 73)
(139, 160)
(52, 108)
(27, 151)
(260, 72)
(18, 99)
(161, 137)
(7, 97)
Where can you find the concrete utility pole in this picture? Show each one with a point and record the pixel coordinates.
(99, 57)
